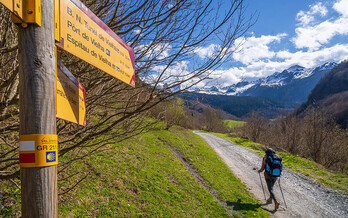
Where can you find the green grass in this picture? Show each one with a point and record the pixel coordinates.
(233, 123)
(142, 177)
(9, 199)
(302, 165)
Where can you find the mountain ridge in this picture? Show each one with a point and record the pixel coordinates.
(331, 95)
(291, 85)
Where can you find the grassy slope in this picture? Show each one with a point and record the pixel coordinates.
(141, 177)
(299, 164)
(233, 123)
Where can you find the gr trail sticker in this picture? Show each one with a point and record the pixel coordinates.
(38, 150)
(50, 156)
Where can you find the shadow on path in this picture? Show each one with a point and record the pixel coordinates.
(243, 206)
(246, 206)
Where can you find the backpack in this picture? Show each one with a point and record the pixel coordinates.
(274, 165)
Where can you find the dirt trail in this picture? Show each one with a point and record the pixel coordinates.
(303, 197)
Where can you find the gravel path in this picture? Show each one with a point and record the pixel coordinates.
(303, 197)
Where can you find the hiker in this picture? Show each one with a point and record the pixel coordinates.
(270, 177)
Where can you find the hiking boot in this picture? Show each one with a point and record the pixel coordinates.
(269, 201)
(276, 205)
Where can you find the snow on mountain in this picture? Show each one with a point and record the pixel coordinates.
(286, 76)
(239, 89)
(296, 68)
(293, 83)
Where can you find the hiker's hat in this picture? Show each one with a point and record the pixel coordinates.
(270, 151)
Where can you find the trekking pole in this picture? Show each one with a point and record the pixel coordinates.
(262, 187)
(282, 192)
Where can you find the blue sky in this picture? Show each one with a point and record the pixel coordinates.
(287, 32)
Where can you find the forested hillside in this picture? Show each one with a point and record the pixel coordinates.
(331, 95)
(241, 106)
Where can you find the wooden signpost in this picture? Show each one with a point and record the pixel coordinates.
(78, 31)
(38, 116)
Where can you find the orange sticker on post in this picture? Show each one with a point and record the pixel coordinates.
(38, 150)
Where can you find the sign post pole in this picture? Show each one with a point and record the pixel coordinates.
(38, 116)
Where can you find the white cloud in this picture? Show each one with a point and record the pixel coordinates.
(222, 78)
(174, 75)
(308, 59)
(286, 59)
(342, 7)
(137, 31)
(254, 48)
(177, 70)
(163, 49)
(160, 50)
(307, 17)
(315, 36)
(207, 52)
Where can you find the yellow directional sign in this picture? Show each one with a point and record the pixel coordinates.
(15, 6)
(71, 96)
(8, 4)
(84, 35)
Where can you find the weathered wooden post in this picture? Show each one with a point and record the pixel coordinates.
(38, 140)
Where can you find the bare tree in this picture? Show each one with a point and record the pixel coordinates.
(314, 135)
(9, 125)
(254, 127)
(316, 132)
(287, 132)
(165, 34)
(212, 122)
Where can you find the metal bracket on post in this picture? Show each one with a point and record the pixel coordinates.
(57, 20)
(18, 8)
(24, 12)
(15, 6)
(32, 12)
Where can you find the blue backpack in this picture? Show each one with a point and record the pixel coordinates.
(274, 165)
